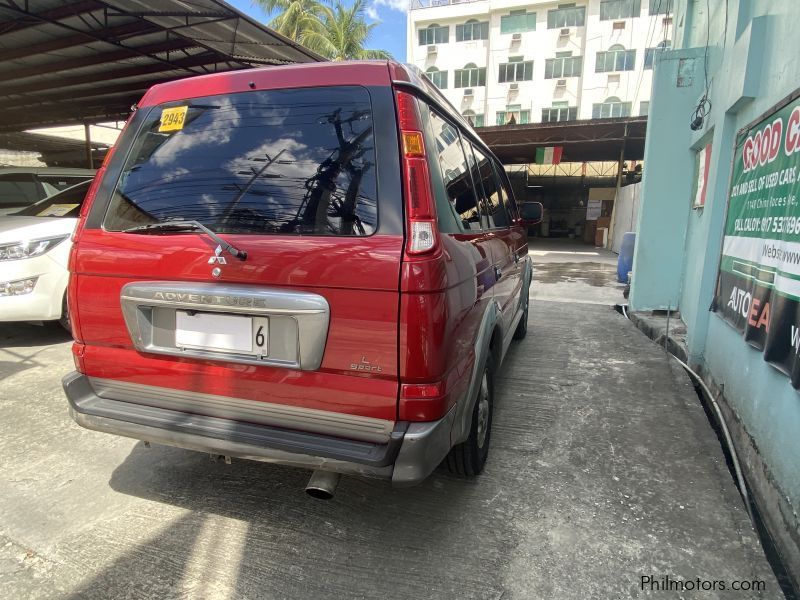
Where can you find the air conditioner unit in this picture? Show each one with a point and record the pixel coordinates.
(513, 87)
(468, 92)
(432, 50)
(564, 32)
(561, 83)
(516, 37)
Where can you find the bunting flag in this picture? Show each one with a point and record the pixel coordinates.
(551, 155)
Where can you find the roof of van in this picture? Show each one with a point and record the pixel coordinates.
(270, 78)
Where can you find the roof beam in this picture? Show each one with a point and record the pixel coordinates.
(43, 102)
(20, 114)
(107, 110)
(198, 60)
(117, 33)
(96, 59)
(175, 13)
(53, 14)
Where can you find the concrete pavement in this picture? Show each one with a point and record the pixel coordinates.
(603, 470)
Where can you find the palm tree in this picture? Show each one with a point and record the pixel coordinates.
(295, 17)
(343, 33)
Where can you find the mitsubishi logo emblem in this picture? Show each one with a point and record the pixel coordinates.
(217, 259)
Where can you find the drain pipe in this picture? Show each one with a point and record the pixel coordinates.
(734, 457)
(723, 425)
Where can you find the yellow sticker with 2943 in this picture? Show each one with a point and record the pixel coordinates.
(172, 119)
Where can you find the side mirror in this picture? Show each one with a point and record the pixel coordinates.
(531, 213)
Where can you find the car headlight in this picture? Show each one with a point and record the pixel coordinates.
(29, 248)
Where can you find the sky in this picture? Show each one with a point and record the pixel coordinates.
(389, 35)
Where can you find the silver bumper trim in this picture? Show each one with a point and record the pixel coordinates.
(253, 411)
(412, 453)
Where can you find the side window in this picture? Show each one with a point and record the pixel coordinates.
(455, 174)
(508, 197)
(498, 217)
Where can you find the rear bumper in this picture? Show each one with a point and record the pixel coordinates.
(412, 452)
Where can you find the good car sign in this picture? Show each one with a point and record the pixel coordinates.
(762, 147)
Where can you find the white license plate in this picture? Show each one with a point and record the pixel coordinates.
(221, 333)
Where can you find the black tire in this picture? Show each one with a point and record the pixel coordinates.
(522, 327)
(468, 458)
(65, 321)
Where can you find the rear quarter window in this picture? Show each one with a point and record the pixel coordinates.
(298, 161)
(457, 205)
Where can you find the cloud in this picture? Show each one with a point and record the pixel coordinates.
(400, 5)
(372, 13)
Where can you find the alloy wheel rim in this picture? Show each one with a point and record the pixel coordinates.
(483, 412)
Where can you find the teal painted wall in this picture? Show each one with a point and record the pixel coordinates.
(661, 226)
(753, 63)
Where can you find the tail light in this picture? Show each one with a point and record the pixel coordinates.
(420, 206)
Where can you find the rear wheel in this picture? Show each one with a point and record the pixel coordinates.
(522, 327)
(468, 458)
(64, 321)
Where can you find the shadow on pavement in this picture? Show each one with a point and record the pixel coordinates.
(26, 335)
(443, 535)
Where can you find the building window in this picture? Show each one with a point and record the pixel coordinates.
(661, 7)
(566, 15)
(517, 22)
(472, 118)
(516, 69)
(513, 115)
(612, 107)
(619, 9)
(470, 76)
(644, 108)
(437, 77)
(434, 34)
(472, 30)
(615, 58)
(649, 53)
(563, 65)
(560, 111)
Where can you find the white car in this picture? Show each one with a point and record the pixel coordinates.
(34, 254)
(22, 186)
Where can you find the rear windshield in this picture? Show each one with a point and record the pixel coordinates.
(299, 161)
(63, 204)
(18, 190)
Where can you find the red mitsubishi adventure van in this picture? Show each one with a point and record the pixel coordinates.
(315, 265)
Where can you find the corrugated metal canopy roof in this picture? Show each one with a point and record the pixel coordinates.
(54, 151)
(75, 61)
(582, 141)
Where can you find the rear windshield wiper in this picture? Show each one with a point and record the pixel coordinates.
(190, 226)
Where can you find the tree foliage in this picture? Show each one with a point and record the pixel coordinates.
(337, 31)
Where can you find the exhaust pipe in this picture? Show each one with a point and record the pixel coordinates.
(322, 484)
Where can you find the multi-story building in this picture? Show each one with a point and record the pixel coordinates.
(530, 61)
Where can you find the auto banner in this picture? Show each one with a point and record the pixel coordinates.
(758, 289)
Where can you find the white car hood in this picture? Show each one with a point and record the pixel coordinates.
(19, 229)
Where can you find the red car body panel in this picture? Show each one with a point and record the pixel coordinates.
(360, 278)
